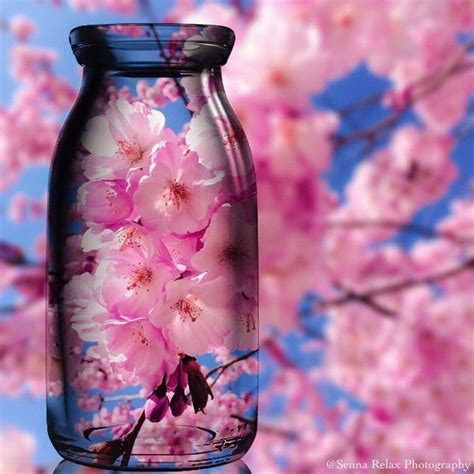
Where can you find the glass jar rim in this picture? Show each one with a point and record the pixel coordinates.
(138, 33)
(125, 45)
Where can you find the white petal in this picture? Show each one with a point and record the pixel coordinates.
(97, 138)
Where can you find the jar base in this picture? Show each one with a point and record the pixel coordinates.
(71, 465)
(226, 452)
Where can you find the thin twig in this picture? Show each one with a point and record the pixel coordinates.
(163, 54)
(360, 104)
(419, 89)
(398, 286)
(402, 226)
(267, 428)
(368, 301)
(223, 367)
(130, 439)
(277, 353)
(148, 10)
(237, 4)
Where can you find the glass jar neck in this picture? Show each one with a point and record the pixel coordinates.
(194, 88)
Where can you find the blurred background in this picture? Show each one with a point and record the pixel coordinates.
(360, 116)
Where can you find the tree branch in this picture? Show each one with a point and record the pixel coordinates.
(276, 352)
(402, 226)
(398, 286)
(418, 90)
(148, 11)
(368, 301)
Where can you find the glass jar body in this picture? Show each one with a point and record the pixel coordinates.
(153, 274)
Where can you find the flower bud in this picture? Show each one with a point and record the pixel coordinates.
(157, 405)
(198, 386)
(156, 408)
(179, 401)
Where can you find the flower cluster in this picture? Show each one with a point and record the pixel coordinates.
(172, 253)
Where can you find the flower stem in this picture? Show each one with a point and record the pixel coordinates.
(130, 439)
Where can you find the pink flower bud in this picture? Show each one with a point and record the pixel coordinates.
(179, 401)
(156, 408)
(157, 405)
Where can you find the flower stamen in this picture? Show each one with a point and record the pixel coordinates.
(141, 277)
(129, 150)
(176, 194)
(187, 308)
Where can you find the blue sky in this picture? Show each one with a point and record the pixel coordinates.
(54, 25)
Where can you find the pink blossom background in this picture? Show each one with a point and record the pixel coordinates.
(360, 118)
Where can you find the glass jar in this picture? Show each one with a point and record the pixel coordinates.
(152, 256)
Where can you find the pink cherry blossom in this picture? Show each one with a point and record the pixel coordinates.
(229, 243)
(300, 145)
(85, 311)
(459, 222)
(28, 61)
(178, 194)
(104, 202)
(121, 140)
(125, 7)
(181, 250)
(213, 13)
(434, 46)
(159, 94)
(414, 172)
(178, 381)
(195, 314)
(140, 350)
(131, 279)
(283, 75)
(211, 134)
(23, 354)
(18, 449)
(21, 27)
(20, 145)
(157, 404)
(95, 372)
